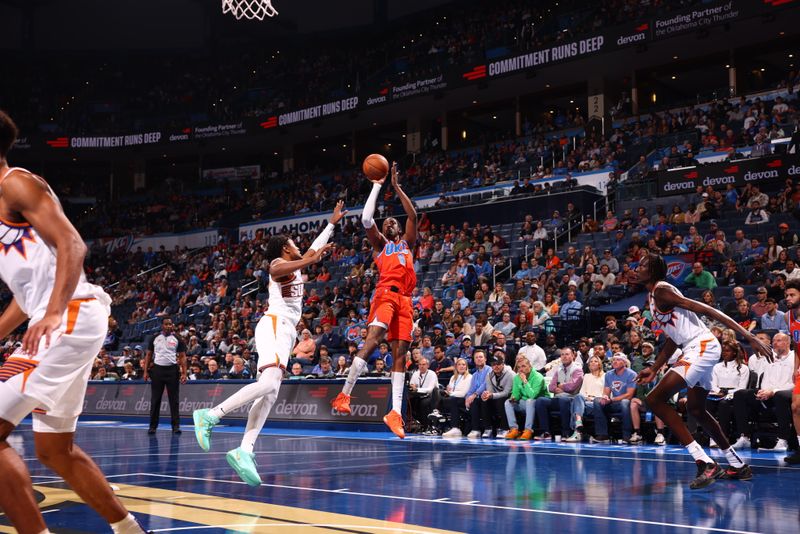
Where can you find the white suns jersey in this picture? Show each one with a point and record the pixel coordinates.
(682, 326)
(28, 267)
(286, 298)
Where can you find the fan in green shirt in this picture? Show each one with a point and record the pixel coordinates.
(528, 385)
(701, 278)
(532, 387)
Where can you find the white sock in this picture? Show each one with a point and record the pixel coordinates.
(398, 383)
(734, 459)
(356, 368)
(127, 526)
(698, 453)
(270, 379)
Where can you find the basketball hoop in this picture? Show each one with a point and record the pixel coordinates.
(249, 9)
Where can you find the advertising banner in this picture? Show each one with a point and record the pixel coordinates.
(191, 240)
(719, 175)
(228, 174)
(295, 225)
(106, 141)
(220, 130)
(419, 87)
(298, 400)
(539, 58)
(696, 18)
(632, 34)
(315, 112)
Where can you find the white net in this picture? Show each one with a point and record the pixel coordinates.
(249, 9)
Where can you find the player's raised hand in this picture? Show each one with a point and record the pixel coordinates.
(760, 348)
(645, 376)
(338, 212)
(395, 175)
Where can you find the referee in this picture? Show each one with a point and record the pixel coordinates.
(168, 354)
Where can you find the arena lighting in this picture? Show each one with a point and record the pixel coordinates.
(463, 134)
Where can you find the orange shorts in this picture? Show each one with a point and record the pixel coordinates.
(392, 311)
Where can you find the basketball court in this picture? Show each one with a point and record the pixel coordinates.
(318, 481)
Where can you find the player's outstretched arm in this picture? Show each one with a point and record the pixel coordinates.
(376, 238)
(280, 268)
(325, 235)
(30, 196)
(12, 317)
(667, 299)
(411, 221)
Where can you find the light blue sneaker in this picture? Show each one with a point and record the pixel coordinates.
(203, 425)
(244, 463)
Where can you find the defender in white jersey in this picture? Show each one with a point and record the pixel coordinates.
(42, 264)
(275, 336)
(677, 317)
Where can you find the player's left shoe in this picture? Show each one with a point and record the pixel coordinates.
(706, 474)
(203, 425)
(244, 463)
(395, 423)
(738, 473)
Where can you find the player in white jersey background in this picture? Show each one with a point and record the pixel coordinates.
(275, 336)
(42, 264)
(677, 317)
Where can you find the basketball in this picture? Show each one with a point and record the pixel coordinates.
(375, 167)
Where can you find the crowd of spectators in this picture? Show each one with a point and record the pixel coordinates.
(464, 322)
(741, 127)
(74, 95)
(467, 319)
(545, 151)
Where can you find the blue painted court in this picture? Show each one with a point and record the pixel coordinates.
(317, 481)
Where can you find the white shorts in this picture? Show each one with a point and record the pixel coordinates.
(697, 362)
(275, 337)
(52, 384)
